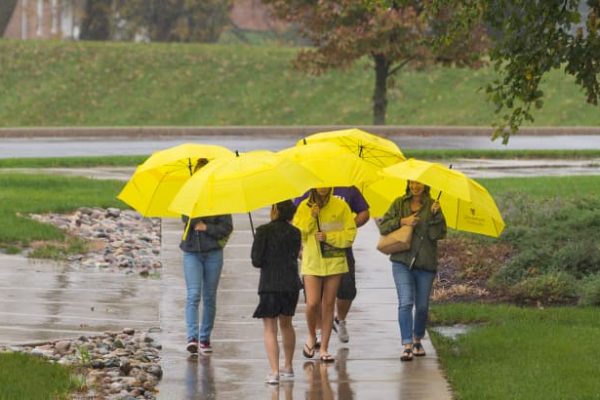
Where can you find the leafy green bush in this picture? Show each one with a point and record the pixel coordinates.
(555, 238)
(549, 288)
(589, 291)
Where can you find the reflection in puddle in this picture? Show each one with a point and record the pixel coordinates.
(320, 386)
(199, 378)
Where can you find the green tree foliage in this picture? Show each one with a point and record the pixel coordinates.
(174, 20)
(392, 35)
(96, 23)
(7, 8)
(529, 39)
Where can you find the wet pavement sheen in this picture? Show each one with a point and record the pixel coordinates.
(42, 301)
(103, 146)
(368, 367)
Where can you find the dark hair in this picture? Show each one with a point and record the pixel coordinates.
(426, 190)
(286, 210)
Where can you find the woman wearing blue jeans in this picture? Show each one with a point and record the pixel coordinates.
(202, 264)
(414, 269)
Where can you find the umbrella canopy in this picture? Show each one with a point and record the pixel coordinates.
(373, 149)
(155, 182)
(241, 184)
(333, 164)
(466, 204)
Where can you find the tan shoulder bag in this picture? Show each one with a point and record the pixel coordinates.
(396, 241)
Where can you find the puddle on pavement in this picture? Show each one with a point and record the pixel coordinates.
(452, 331)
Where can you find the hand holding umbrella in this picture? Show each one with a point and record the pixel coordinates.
(467, 205)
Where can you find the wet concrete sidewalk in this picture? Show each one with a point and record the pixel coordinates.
(475, 168)
(368, 367)
(44, 301)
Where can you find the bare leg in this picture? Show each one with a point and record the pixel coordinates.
(271, 345)
(330, 287)
(343, 307)
(288, 337)
(312, 288)
(319, 318)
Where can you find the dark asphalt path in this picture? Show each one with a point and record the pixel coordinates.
(102, 146)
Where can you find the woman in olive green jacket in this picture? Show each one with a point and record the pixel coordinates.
(415, 268)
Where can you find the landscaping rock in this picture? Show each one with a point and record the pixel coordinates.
(110, 372)
(118, 240)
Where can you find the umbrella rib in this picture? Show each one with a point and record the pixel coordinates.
(163, 177)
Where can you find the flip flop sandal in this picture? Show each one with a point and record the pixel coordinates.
(307, 351)
(327, 358)
(407, 355)
(418, 350)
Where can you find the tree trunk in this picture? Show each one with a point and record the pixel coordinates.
(382, 69)
(96, 22)
(7, 8)
(164, 19)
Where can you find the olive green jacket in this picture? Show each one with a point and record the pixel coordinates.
(430, 229)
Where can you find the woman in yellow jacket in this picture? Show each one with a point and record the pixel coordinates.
(327, 228)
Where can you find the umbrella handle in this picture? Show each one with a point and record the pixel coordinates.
(186, 230)
(251, 223)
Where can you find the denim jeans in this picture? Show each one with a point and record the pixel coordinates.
(413, 287)
(202, 272)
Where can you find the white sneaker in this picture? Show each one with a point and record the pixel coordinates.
(340, 328)
(272, 379)
(286, 374)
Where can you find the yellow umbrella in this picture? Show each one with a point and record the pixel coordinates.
(466, 204)
(242, 184)
(333, 164)
(372, 148)
(155, 182)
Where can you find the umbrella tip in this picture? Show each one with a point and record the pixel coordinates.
(304, 140)
(237, 154)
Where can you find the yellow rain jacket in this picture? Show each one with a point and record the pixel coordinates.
(336, 220)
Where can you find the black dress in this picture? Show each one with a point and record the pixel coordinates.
(275, 251)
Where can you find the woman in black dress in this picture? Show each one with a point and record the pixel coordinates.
(275, 251)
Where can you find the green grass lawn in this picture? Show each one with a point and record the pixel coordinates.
(22, 194)
(545, 186)
(27, 377)
(444, 155)
(73, 162)
(117, 84)
(520, 353)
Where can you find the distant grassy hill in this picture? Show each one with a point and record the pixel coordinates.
(46, 83)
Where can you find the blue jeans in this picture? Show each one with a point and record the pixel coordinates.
(413, 288)
(202, 272)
